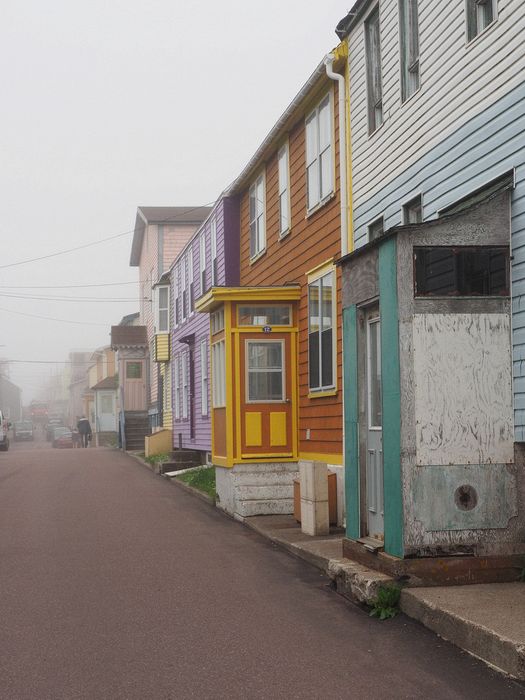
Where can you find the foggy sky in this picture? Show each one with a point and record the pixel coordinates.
(110, 105)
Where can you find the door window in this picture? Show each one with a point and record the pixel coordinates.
(264, 362)
(375, 418)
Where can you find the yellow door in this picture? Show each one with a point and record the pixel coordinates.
(267, 402)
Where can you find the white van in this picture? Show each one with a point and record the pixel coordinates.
(4, 438)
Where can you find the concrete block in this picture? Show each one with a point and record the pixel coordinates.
(246, 509)
(314, 485)
(314, 517)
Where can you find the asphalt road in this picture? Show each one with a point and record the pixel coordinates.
(116, 584)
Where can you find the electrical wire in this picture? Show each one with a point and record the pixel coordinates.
(50, 318)
(65, 286)
(76, 299)
(93, 243)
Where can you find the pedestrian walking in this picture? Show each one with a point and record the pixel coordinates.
(84, 428)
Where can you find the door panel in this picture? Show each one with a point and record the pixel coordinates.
(374, 451)
(266, 395)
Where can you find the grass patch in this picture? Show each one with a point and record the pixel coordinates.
(201, 479)
(386, 605)
(158, 459)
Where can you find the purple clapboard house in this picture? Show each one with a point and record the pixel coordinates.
(209, 259)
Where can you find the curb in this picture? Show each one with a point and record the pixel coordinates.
(189, 489)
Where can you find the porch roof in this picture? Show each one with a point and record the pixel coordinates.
(128, 336)
(218, 295)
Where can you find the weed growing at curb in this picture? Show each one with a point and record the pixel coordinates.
(201, 479)
(386, 605)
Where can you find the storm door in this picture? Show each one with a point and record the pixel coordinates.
(374, 433)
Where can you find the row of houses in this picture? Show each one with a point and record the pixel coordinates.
(353, 303)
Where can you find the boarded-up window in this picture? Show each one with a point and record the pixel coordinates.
(461, 271)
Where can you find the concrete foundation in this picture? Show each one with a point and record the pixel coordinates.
(264, 488)
(314, 498)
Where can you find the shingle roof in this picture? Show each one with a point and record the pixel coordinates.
(163, 215)
(107, 383)
(128, 336)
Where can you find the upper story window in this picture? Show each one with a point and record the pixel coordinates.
(202, 261)
(258, 315)
(319, 165)
(284, 190)
(214, 269)
(184, 286)
(217, 321)
(162, 312)
(176, 299)
(257, 217)
(321, 332)
(373, 71)
(409, 46)
(461, 271)
(190, 279)
(480, 13)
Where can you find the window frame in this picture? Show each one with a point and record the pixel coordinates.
(409, 48)
(204, 377)
(316, 280)
(408, 207)
(213, 240)
(257, 220)
(372, 225)
(247, 370)
(218, 366)
(177, 387)
(284, 189)
(159, 308)
(202, 262)
(185, 385)
(374, 77)
(472, 18)
(315, 160)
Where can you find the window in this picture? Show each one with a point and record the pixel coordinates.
(218, 374)
(133, 370)
(480, 13)
(167, 391)
(321, 332)
(162, 321)
(204, 377)
(264, 363)
(409, 45)
(375, 229)
(284, 193)
(374, 374)
(257, 222)
(185, 384)
(202, 261)
(413, 211)
(264, 315)
(190, 278)
(176, 302)
(184, 287)
(214, 271)
(217, 321)
(176, 372)
(373, 71)
(319, 167)
(461, 271)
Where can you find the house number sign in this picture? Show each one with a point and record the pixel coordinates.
(267, 329)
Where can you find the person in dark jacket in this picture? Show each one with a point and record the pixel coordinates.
(84, 428)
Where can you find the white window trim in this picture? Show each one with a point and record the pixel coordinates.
(315, 277)
(158, 309)
(185, 386)
(204, 377)
(284, 149)
(468, 41)
(218, 366)
(191, 283)
(202, 262)
(213, 237)
(260, 232)
(176, 398)
(314, 113)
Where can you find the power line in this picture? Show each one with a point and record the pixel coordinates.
(76, 299)
(50, 318)
(93, 243)
(65, 286)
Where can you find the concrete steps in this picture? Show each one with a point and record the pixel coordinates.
(137, 427)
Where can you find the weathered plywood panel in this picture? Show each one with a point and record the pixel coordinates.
(463, 389)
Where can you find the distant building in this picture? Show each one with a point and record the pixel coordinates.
(10, 399)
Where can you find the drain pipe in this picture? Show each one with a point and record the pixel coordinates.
(328, 61)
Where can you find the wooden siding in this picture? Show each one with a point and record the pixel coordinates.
(313, 239)
(458, 81)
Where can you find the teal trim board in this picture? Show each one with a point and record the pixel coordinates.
(390, 375)
(351, 409)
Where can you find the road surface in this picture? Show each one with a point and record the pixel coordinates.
(116, 584)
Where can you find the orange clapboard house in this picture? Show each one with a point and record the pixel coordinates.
(276, 339)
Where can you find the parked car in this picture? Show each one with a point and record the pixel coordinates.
(23, 430)
(4, 438)
(62, 437)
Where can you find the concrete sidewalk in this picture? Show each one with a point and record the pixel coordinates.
(487, 620)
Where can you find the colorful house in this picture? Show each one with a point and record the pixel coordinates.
(433, 453)
(210, 259)
(276, 338)
(159, 236)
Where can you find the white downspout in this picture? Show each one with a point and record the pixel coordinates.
(328, 61)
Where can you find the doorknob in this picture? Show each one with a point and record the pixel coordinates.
(288, 401)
